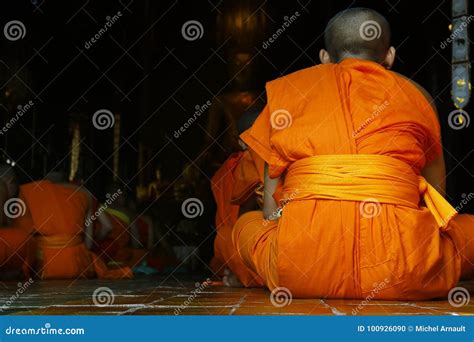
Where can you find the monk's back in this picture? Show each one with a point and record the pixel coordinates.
(355, 107)
(327, 131)
(55, 209)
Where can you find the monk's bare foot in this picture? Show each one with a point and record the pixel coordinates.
(230, 279)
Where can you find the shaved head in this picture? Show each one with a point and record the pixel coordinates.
(56, 177)
(359, 33)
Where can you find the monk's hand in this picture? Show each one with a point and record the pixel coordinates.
(274, 215)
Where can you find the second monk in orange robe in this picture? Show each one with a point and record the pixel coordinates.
(233, 186)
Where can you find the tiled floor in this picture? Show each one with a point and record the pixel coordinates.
(172, 295)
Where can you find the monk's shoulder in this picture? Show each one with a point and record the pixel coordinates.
(306, 74)
(408, 82)
(31, 187)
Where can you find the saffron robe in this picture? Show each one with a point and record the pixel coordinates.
(233, 183)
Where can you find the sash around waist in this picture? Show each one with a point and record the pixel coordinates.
(363, 177)
(59, 241)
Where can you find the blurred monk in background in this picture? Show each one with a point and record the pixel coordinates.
(17, 247)
(130, 236)
(56, 213)
(357, 150)
(124, 228)
(234, 187)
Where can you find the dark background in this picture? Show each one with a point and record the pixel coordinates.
(143, 69)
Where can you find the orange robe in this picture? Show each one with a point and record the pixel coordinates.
(117, 246)
(57, 214)
(17, 251)
(231, 185)
(350, 141)
(113, 247)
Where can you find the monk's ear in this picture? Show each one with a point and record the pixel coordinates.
(389, 58)
(324, 56)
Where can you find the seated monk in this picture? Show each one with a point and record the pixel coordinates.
(109, 242)
(358, 150)
(57, 214)
(122, 245)
(17, 247)
(233, 187)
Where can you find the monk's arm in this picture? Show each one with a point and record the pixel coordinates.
(88, 224)
(270, 206)
(435, 171)
(435, 174)
(88, 229)
(105, 226)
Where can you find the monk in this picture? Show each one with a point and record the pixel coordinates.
(130, 235)
(358, 152)
(57, 213)
(17, 247)
(233, 186)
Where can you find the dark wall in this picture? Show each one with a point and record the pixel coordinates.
(144, 69)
